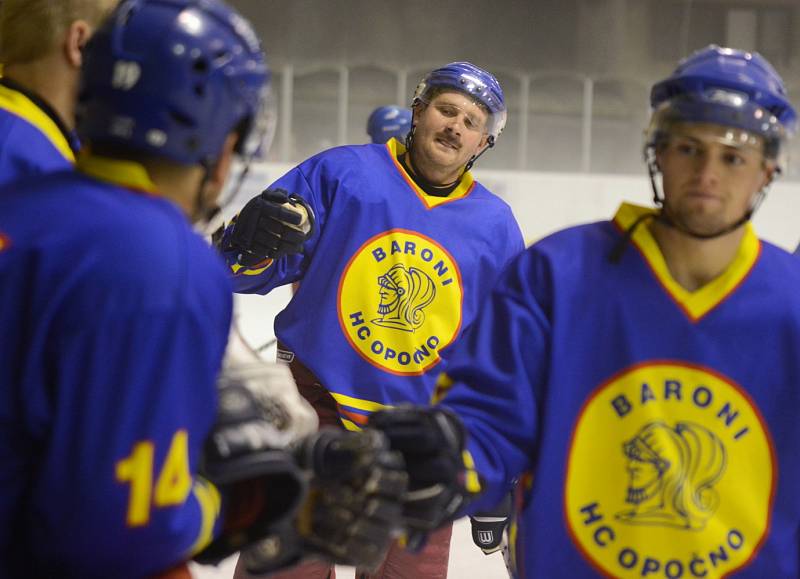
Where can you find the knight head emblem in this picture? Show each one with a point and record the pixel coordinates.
(404, 294)
(671, 475)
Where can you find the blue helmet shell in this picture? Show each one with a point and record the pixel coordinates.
(387, 122)
(172, 78)
(727, 87)
(473, 81)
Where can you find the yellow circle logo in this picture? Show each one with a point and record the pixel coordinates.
(671, 472)
(400, 301)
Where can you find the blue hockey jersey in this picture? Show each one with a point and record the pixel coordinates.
(656, 426)
(390, 277)
(32, 139)
(114, 318)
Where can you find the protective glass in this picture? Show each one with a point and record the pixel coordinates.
(738, 121)
(475, 123)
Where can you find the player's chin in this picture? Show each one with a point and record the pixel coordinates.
(443, 151)
(706, 224)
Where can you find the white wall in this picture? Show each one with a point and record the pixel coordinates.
(546, 202)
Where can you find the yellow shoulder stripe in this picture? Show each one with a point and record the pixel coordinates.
(18, 104)
(128, 174)
(358, 403)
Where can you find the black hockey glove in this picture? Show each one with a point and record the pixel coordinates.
(260, 482)
(442, 478)
(271, 225)
(488, 526)
(354, 510)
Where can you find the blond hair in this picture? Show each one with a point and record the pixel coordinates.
(31, 29)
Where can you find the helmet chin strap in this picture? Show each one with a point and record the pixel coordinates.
(474, 158)
(410, 137)
(206, 217)
(664, 215)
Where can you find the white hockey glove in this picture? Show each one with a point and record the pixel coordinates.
(249, 454)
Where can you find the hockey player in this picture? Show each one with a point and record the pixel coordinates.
(41, 47)
(644, 369)
(388, 122)
(396, 246)
(115, 316)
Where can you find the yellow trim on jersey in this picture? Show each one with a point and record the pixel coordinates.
(443, 385)
(471, 479)
(239, 269)
(208, 498)
(467, 182)
(511, 563)
(350, 425)
(358, 403)
(698, 303)
(124, 173)
(21, 106)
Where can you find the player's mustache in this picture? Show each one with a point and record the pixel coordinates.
(450, 139)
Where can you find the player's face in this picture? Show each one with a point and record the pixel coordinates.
(710, 179)
(450, 130)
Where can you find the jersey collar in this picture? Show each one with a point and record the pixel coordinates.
(31, 108)
(700, 302)
(126, 174)
(464, 188)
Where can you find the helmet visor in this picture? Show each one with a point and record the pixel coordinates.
(742, 119)
(492, 124)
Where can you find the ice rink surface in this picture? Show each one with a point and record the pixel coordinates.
(466, 561)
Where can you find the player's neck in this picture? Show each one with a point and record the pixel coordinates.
(177, 183)
(52, 81)
(695, 262)
(427, 187)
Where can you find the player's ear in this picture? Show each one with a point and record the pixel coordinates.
(77, 35)
(416, 111)
(484, 142)
(770, 170)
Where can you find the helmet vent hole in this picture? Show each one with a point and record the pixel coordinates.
(181, 119)
(200, 66)
(200, 90)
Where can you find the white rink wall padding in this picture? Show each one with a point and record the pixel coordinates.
(546, 202)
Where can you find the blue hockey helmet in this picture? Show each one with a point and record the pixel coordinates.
(173, 78)
(387, 122)
(728, 87)
(475, 82)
